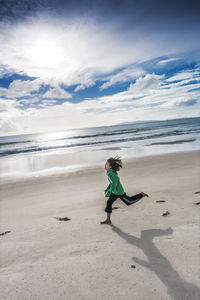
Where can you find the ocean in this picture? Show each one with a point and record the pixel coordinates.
(33, 155)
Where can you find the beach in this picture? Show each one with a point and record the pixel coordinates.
(142, 255)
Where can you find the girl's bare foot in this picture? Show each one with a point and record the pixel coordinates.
(106, 222)
(144, 195)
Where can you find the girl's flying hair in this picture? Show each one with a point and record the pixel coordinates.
(115, 163)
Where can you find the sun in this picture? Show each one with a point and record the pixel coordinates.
(45, 52)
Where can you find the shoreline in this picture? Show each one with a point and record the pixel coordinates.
(89, 168)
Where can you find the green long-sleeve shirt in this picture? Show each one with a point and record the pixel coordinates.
(115, 186)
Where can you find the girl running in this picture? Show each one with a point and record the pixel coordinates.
(115, 189)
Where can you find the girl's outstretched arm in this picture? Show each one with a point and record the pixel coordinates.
(107, 188)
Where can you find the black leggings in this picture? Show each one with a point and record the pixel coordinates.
(126, 199)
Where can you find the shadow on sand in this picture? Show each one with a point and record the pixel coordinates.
(177, 288)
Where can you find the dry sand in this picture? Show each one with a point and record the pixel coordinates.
(46, 259)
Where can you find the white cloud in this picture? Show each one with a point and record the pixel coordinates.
(146, 84)
(127, 74)
(11, 112)
(24, 88)
(150, 97)
(183, 101)
(157, 103)
(47, 103)
(19, 88)
(7, 105)
(5, 70)
(3, 91)
(10, 115)
(78, 51)
(148, 91)
(28, 100)
(190, 74)
(165, 61)
(88, 79)
(57, 92)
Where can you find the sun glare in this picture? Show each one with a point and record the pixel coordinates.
(45, 53)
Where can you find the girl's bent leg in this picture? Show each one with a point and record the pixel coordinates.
(110, 201)
(128, 200)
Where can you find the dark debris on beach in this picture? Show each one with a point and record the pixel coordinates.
(62, 219)
(5, 232)
(159, 201)
(133, 266)
(166, 213)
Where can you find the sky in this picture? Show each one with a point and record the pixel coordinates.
(74, 64)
